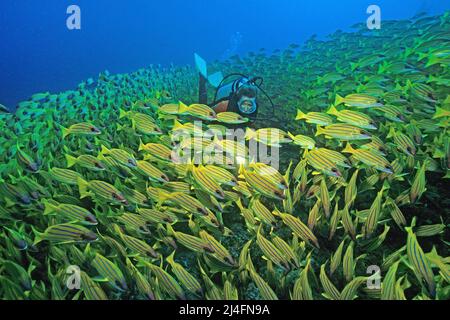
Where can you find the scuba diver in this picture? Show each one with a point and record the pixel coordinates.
(234, 93)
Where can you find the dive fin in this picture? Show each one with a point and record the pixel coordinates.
(201, 66)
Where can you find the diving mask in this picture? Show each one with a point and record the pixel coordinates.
(247, 105)
(247, 98)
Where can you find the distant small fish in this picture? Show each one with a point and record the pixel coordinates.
(358, 100)
(81, 129)
(231, 118)
(99, 188)
(4, 109)
(345, 132)
(85, 161)
(65, 233)
(321, 119)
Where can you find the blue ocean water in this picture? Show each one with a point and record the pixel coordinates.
(39, 53)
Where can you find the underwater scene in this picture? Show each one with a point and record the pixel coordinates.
(278, 167)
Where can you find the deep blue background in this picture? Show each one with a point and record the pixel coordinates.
(38, 53)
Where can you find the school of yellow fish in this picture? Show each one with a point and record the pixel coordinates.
(92, 191)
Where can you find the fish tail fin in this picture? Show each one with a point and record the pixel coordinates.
(320, 131)
(409, 51)
(409, 84)
(441, 113)
(171, 258)
(182, 108)
(291, 135)
(141, 145)
(163, 196)
(447, 100)
(339, 100)
(333, 111)
(250, 134)
(119, 127)
(101, 157)
(348, 149)
(276, 213)
(38, 237)
(421, 55)
(123, 113)
(170, 231)
(177, 125)
(49, 207)
(239, 204)
(300, 115)
(432, 61)
(71, 161)
(433, 255)
(241, 170)
(9, 203)
(381, 68)
(65, 132)
(391, 133)
(104, 150)
(190, 165)
(83, 188)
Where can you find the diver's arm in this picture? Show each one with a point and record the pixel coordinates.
(221, 106)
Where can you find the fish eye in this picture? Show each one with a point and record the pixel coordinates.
(334, 170)
(116, 196)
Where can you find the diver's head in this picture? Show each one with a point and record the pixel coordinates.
(246, 98)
